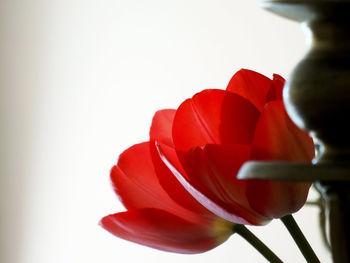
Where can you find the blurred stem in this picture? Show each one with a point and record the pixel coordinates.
(299, 239)
(256, 243)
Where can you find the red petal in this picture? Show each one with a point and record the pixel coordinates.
(161, 230)
(210, 188)
(174, 188)
(136, 183)
(251, 85)
(276, 199)
(278, 138)
(214, 117)
(160, 133)
(275, 93)
(161, 127)
(212, 171)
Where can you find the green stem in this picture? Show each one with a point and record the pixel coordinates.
(299, 239)
(256, 243)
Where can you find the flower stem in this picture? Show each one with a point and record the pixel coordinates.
(299, 239)
(256, 243)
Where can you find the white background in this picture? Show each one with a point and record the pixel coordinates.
(80, 81)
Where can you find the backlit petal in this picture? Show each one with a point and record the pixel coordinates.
(278, 138)
(251, 85)
(162, 230)
(214, 117)
(160, 133)
(276, 199)
(136, 183)
(174, 188)
(210, 190)
(212, 170)
(161, 127)
(276, 90)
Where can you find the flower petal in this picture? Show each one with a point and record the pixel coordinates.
(276, 199)
(214, 117)
(161, 230)
(212, 170)
(210, 190)
(250, 85)
(160, 133)
(276, 90)
(174, 188)
(161, 127)
(135, 181)
(278, 138)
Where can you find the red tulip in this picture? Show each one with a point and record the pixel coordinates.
(166, 218)
(216, 131)
(180, 188)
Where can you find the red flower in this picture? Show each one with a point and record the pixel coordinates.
(204, 143)
(166, 218)
(216, 131)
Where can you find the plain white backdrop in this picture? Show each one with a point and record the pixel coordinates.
(80, 81)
